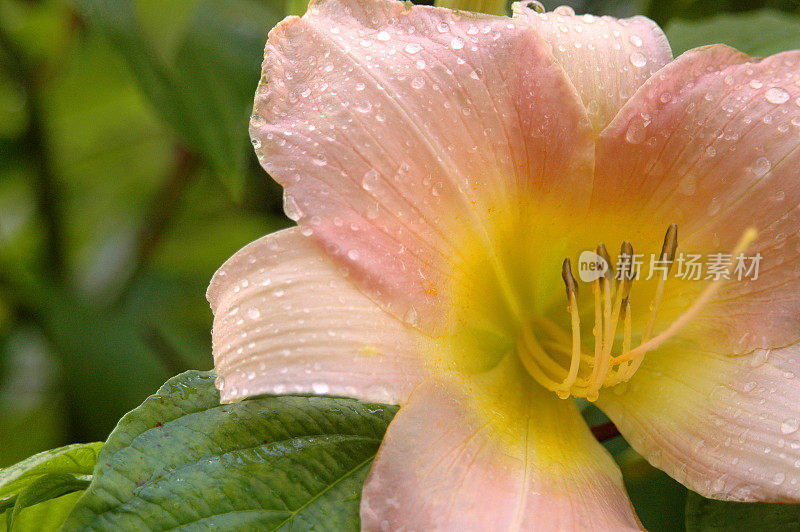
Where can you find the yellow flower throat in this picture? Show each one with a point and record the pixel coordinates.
(558, 360)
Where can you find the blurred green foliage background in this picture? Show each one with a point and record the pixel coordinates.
(126, 179)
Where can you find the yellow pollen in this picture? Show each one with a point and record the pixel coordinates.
(583, 375)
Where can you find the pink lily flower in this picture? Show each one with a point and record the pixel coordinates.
(441, 166)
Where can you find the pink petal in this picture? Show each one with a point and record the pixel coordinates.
(528, 462)
(398, 130)
(287, 321)
(726, 427)
(711, 143)
(606, 58)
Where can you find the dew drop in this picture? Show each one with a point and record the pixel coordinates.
(291, 208)
(790, 426)
(762, 166)
(412, 316)
(418, 82)
(638, 59)
(636, 132)
(383, 36)
(253, 313)
(457, 43)
(370, 180)
(756, 84)
(776, 95)
(413, 48)
(353, 254)
(635, 40)
(320, 388)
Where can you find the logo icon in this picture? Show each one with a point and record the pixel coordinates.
(591, 266)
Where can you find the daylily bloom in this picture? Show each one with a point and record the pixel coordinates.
(441, 166)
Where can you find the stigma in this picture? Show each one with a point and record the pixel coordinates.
(562, 362)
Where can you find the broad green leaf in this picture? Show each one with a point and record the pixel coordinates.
(492, 7)
(206, 91)
(44, 488)
(45, 516)
(296, 7)
(76, 459)
(662, 11)
(709, 515)
(658, 499)
(757, 33)
(270, 463)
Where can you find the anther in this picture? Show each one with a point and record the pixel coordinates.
(670, 245)
(602, 252)
(569, 280)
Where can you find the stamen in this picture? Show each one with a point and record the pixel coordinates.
(587, 374)
(575, 362)
(667, 257)
(747, 238)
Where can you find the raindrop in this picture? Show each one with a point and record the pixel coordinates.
(413, 48)
(291, 208)
(759, 357)
(636, 132)
(778, 478)
(418, 82)
(370, 180)
(635, 40)
(253, 313)
(412, 316)
(790, 426)
(320, 388)
(638, 59)
(535, 5)
(776, 95)
(762, 166)
(756, 83)
(457, 43)
(383, 36)
(256, 121)
(353, 254)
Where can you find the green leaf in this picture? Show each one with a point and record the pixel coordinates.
(44, 488)
(201, 76)
(492, 7)
(34, 492)
(658, 499)
(757, 33)
(76, 459)
(181, 459)
(712, 515)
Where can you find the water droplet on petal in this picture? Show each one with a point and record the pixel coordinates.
(413, 48)
(412, 316)
(320, 388)
(457, 43)
(253, 313)
(776, 95)
(383, 36)
(291, 208)
(638, 59)
(762, 166)
(790, 425)
(370, 180)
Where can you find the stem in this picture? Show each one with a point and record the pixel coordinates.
(605, 432)
(46, 185)
(159, 215)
